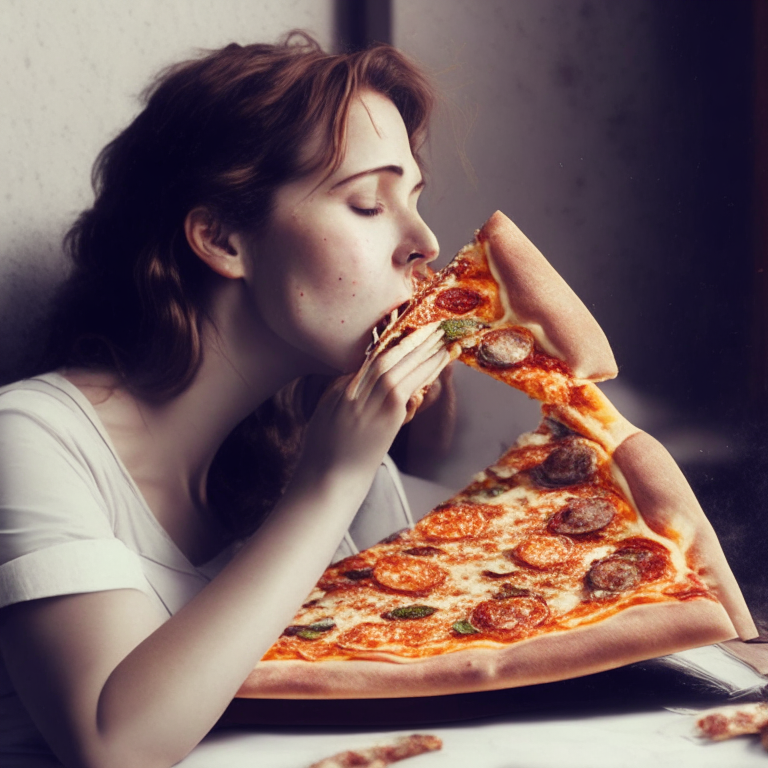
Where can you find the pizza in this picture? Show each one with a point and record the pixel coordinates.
(581, 549)
(383, 755)
(727, 722)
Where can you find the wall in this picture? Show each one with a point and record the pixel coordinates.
(72, 76)
(617, 136)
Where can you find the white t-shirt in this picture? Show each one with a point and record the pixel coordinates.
(72, 520)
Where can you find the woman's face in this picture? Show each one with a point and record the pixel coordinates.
(338, 253)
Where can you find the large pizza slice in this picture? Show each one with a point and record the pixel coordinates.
(581, 549)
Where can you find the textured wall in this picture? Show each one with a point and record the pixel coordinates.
(616, 134)
(71, 76)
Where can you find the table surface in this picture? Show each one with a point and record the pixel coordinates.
(651, 739)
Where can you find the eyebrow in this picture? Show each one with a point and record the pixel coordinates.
(396, 169)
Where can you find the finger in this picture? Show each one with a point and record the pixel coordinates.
(424, 341)
(376, 364)
(376, 390)
(398, 385)
(437, 389)
(443, 385)
(431, 391)
(433, 368)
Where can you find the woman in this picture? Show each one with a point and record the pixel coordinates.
(251, 227)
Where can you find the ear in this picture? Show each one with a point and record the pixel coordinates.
(221, 250)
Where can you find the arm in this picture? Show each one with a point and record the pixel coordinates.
(109, 684)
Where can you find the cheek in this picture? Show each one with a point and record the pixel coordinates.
(322, 294)
(334, 274)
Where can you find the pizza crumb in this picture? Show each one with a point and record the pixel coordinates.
(383, 755)
(735, 720)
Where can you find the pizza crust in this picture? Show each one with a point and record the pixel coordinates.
(543, 302)
(635, 634)
(666, 502)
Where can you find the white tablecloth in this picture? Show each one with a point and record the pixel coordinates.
(659, 739)
(647, 740)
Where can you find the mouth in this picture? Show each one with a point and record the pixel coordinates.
(389, 318)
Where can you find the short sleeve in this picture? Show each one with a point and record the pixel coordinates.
(56, 537)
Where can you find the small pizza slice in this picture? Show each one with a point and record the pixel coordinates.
(383, 755)
(727, 722)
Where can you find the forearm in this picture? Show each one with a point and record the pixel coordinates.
(173, 686)
(170, 690)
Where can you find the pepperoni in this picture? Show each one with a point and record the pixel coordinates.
(569, 464)
(497, 575)
(423, 551)
(513, 614)
(613, 574)
(582, 516)
(461, 521)
(459, 301)
(715, 726)
(408, 574)
(505, 347)
(650, 557)
(542, 551)
(357, 574)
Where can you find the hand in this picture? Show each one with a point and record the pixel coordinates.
(358, 416)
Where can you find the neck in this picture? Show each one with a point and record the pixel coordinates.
(243, 364)
(168, 448)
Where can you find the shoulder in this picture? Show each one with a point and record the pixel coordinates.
(45, 405)
(45, 397)
(50, 443)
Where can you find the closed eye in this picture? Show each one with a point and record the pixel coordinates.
(367, 211)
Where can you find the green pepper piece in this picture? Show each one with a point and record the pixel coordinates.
(324, 625)
(463, 627)
(409, 612)
(457, 328)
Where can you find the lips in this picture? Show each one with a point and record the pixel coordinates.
(385, 321)
(391, 316)
(420, 278)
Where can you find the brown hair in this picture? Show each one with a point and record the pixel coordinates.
(222, 131)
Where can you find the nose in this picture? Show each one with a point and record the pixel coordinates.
(420, 246)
